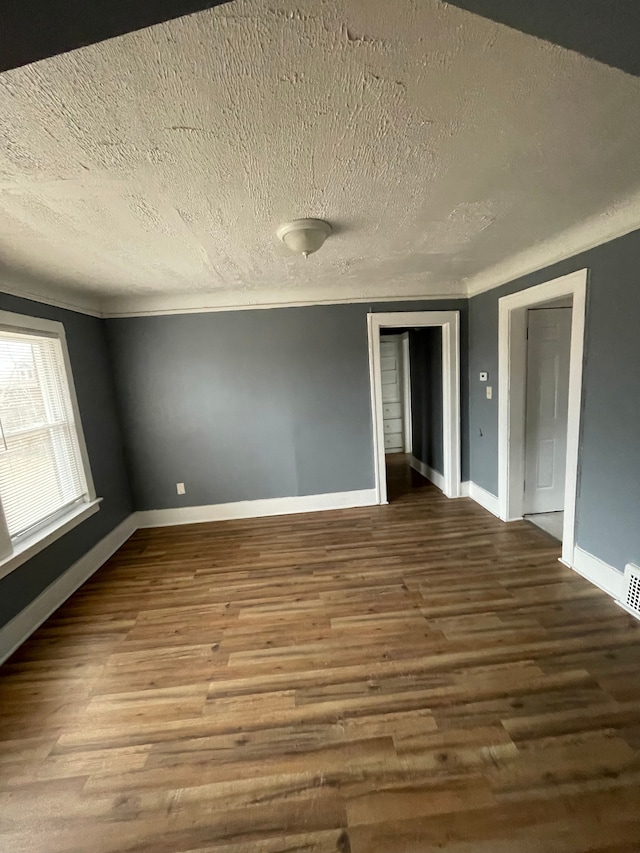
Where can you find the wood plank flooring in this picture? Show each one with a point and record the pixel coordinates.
(403, 679)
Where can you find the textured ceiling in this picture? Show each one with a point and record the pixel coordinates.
(150, 171)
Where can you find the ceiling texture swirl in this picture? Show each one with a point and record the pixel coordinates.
(149, 172)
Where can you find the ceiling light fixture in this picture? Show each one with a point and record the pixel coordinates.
(304, 236)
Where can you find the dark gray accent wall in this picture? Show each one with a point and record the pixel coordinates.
(597, 28)
(425, 353)
(36, 29)
(244, 405)
(608, 507)
(96, 400)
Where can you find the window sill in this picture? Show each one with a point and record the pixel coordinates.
(30, 547)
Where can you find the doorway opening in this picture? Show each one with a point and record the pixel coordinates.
(541, 339)
(397, 413)
(411, 368)
(393, 338)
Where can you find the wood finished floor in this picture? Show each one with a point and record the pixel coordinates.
(402, 679)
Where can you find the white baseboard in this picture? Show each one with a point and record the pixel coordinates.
(468, 489)
(483, 497)
(431, 474)
(255, 509)
(604, 576)
(608, 578)
(15, 632)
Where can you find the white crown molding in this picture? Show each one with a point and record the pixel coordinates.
(156, 306)
(205, 304)
(594, 232)
(56, 300)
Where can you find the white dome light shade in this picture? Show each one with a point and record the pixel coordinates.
(304, 236)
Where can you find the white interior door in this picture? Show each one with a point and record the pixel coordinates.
(392, 403)
(547, 403)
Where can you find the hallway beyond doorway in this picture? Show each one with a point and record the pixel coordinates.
(402, 479)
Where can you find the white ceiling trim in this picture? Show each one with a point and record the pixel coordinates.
(591, 234)
(187, 305)
(610, 225)
(174, 306)
(88, 306)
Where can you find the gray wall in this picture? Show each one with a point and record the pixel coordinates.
(425, 352)
(608, 508)
(249, 404)
(96, 399)
(244, 405)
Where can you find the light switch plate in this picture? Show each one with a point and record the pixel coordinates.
(489, 392)
(484, 376)
(180, 488)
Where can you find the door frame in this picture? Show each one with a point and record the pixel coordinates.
(449, 321)
(512, 367)
(407, 428)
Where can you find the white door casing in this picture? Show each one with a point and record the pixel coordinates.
(548, 353)
(449, 321)
(406, 393)
(512, 349)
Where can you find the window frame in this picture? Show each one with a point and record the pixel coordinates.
(27, 547)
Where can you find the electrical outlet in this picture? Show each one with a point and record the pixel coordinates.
(484, 376)
(489, 392)
(180, 488)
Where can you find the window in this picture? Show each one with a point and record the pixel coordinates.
(44, 477)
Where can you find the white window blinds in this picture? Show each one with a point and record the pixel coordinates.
(41, 470)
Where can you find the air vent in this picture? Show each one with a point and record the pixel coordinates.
(631, 590)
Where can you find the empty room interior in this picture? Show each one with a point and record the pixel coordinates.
(320, 427)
